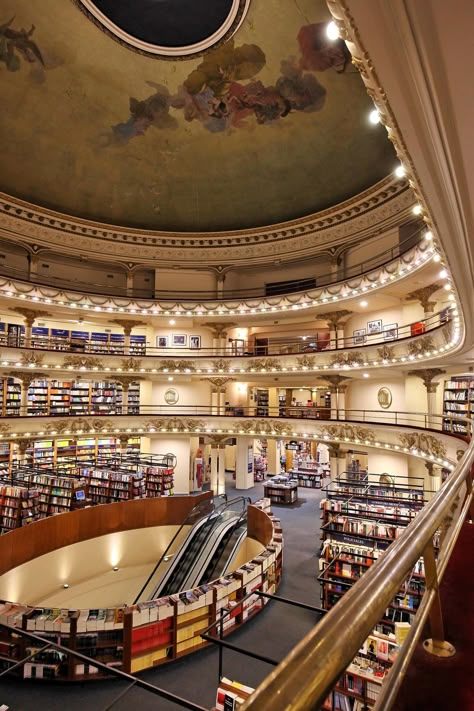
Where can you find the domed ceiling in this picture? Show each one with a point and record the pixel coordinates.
(267, 126)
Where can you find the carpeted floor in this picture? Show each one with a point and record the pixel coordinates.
(272, 633)
(447, 684)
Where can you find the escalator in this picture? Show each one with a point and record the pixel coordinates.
(226, 552)
(196, 548)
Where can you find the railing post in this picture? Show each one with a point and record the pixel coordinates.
(436, 644)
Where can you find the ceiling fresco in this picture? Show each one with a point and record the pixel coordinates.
(268, 127)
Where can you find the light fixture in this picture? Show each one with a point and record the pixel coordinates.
(417, 209)
(443, 274)
(66, 585)
(363, 304)
(436, 257)
(332, 31)
(170, 378)
(366, 375)
(400, 171)
(171, 322)
(374, 117)
(115, 568)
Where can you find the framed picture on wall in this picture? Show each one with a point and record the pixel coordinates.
(195, 342)
(179, 340)
(374, 326)
(390, 332)
(162, 341)
(359, 336)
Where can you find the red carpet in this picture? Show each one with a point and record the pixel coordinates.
(438, 684)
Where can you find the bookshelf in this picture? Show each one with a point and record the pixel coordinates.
(11, 396)
(55, 493)
(261, 402)
(281, 490)
(458, 400)
(105, 486)
(151, 633)
(19, 506)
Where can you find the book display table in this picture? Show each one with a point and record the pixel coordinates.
(281, 492)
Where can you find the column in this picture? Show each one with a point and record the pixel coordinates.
(334, 401)
(129, 283)
(30, 316)
(341, 405)
(220, 285)
(25, 379)
(221, 469)
(127, 326)
(215, 401)
(219, 336)
(423, 295)
(340, 336)
(273, 457)
(125, 383)
(23, 445)
(215, 469)
(32, 267)
(123, 444)
(433, 480)
(334, 460)
(243, 456)
(273, 402)
(427, 375)
(335, 322)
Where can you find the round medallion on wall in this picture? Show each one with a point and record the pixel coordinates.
(171, 396)
(384, 397)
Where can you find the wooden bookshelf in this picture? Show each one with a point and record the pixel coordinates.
(150, 633)
(19, 506)
(458, 400)
(281, 490)
(55, 493)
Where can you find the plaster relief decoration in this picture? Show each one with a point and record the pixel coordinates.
(350, 432)
(424, 443)
(131, 364)
(4, 428)
(32, 360)
(84, 362)
(267, 427)
(221, 365)
(422, 346)
(175, 424)
(182, 366)
(347, 359)
(79, 426)
(306, 362)
(386, 353)
(256, 364)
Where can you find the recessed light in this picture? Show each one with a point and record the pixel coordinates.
(332, 31)
(366, 375)
(115, 568)
(170, 378)
(374, 117)
(66, 585)
(171, 322)
(364, 303)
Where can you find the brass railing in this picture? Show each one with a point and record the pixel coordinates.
(305, 678)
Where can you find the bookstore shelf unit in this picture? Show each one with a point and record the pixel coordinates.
(137, 637)
(359, 520)
(281, 490)
(458, 400)
(310, 475)
(73, 398)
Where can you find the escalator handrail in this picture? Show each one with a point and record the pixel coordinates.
(217, 513)
(193, 511)
(238, 523)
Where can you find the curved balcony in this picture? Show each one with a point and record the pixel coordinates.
(434, 336)
(366, 277)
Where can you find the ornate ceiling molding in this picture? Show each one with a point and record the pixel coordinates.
(222, 34)
(382, 207)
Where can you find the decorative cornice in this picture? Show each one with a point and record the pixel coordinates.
(336, 380)
(126, 380)
(347, 358)
(333, 318)
(379, 208)
(32, 360)
(127, 324)
(131, 363)
(26, 377)
(219, 383)
(261, 364)
(423, 295)
(30, 315)
(421, 347)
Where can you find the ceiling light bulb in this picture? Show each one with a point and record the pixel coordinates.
(400, 171)
(443, 274)
(170, 378)
(417, 210)
(374, 117)
(366, 375)
(171, 322)
(364, 303)
(332, 31)
(436, 257)
(447, 287)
